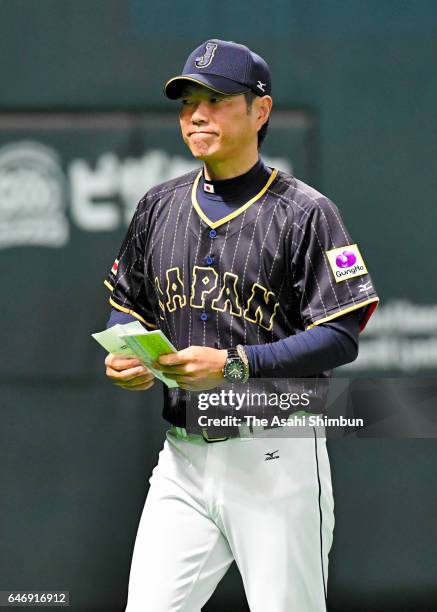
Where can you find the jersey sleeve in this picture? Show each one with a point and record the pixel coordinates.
(329, 274)
(125, 280)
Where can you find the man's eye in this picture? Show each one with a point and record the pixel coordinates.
(185, 101)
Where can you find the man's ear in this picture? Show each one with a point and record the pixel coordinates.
(263, 109)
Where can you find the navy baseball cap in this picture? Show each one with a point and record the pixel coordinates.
(223, 66)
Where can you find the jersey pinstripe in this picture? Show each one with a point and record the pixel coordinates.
(258, 275)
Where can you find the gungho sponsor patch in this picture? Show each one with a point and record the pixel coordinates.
(346, 262)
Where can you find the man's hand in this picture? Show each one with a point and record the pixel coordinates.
(129, 373)
(196, 368)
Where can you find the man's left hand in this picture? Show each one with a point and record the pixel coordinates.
(196, 368)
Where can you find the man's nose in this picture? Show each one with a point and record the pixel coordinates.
(200, 112)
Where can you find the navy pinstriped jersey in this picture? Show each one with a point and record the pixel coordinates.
(279, 264)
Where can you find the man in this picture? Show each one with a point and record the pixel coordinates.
(250, 273)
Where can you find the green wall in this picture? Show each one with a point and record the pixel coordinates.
(76, 455)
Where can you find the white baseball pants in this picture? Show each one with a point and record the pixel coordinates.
(211, 503)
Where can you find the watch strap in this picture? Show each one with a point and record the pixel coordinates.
(233, 353)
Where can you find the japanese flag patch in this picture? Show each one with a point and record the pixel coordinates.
(346, 262)
(114, 267)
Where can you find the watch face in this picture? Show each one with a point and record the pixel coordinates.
(234, 370)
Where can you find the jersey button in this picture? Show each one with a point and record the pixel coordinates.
(204, 316)
(212, 233)
(209, 260)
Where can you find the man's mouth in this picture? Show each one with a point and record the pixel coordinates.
(202, 132)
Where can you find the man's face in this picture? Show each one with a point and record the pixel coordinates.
(216, 127)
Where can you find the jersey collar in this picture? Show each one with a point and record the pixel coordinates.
(235, 213)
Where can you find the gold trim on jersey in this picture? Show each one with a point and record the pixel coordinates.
(214, 224)
(131, 312)
(342, 312)
(108, 285)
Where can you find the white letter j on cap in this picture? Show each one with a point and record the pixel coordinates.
(204, 60)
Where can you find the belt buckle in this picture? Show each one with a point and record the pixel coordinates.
(208, 439)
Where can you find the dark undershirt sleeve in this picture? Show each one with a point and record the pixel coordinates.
(316, 350)
(119, 318)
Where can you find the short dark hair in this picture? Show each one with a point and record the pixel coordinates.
(262, 132)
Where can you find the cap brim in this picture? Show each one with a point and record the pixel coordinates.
(174, 87)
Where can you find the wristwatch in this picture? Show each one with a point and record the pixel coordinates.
(236, 368)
